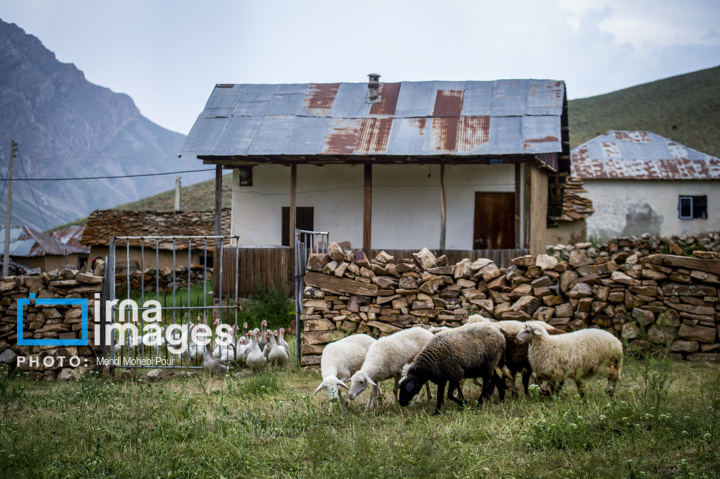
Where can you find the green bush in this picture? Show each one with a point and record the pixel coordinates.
(272, 304)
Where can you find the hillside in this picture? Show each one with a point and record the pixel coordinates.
(68, 127)
(685, 108)
(197, 197)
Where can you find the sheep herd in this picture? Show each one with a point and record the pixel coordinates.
(495, 352)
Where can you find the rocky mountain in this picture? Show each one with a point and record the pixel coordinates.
(65, 127)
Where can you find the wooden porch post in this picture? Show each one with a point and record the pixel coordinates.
(518, 245)
(367, 209)
(443, 208)
(293, 214)
(218, 231)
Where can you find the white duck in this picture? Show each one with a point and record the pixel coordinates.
(281, 340)
(256, 360)
(262, 342)
(278, 355)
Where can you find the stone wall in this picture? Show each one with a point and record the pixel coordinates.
(164, 277)
(64, 321)
(48, 322)
(651, 301)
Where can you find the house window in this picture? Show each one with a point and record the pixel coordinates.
(304, 220)
(691, 207)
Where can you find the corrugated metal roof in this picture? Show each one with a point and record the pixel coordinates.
(71, 235)
(432, 118)
(29, 243)
(641, 155)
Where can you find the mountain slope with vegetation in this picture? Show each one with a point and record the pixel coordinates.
(684, 108)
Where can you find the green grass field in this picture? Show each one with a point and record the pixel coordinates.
(663, 422)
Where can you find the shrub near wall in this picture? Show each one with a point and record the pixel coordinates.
(651, 301)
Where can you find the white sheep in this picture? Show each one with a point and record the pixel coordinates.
(385, 359)
(508, 325)
(578, 355)
(340, 360)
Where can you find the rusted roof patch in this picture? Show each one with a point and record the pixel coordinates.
(320, 97)
(342, 137)
(389, 93)
(374, 135)
(448, 103)
(641, 155)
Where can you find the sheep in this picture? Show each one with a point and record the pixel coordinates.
(509, 325)
(385, 359)
(474, 350)
(516, 359)
(579, 355)
(340, 360)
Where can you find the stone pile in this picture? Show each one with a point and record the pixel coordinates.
(164, 277)
(650, 301)
(644, 245)
(348, 293)
(575, 205)
(48, 321)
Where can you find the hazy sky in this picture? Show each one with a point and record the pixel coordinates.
(168, 54)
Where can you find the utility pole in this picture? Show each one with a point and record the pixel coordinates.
(8, 213)
(177, 193)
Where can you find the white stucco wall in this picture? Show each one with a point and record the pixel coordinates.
(629, 207)
(406, 203)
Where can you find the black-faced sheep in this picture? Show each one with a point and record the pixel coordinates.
(578, 355)
(473, 351)
(516, 358)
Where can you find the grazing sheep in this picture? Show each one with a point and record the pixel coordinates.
(385, 359)
(340, 360)
(516, 359)
(509, 325)
(579, 355)
(472, 351)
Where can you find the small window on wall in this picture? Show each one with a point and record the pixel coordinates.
(692, 207)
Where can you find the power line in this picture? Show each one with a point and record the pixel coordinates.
(37, 205)
(111, 177)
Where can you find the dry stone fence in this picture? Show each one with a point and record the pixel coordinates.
(652, 301)
(48, 322)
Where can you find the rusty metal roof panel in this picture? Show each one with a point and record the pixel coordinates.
(29, 243)
(410, 118)
(72, 236)
(641, 155)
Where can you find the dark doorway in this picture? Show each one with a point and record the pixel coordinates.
(494, 226)
(304, 220)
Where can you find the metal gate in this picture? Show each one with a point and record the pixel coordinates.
(306, 243)
(173, 277)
